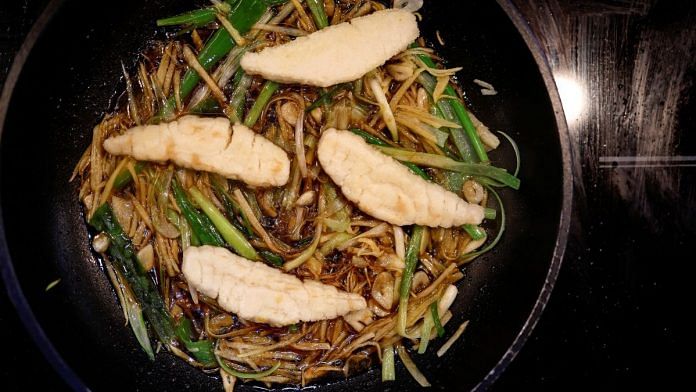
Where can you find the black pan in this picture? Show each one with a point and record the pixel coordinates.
(68, 74)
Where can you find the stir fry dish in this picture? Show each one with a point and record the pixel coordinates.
(289, 190)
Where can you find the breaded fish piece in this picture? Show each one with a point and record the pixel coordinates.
(257, 292)
(387, 190)
(339, 53)
(208, 144)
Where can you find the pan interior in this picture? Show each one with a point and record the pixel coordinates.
(72, 77)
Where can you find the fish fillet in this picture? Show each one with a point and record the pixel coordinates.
(208, 144)
(257, 292)
(339, 53)
(386, 189)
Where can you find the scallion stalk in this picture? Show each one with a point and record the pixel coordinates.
(202, 229)
(251, 376)
(327, 96)
(241, 86)
(442, 162)
(271, 258)
(243, 15)
(232, 236)
(265, 95)
(194, 18)
(426, 329)
(475, 232)
(124, 177)
(405, 289)
(388, 363)
(436, 320)
(462, 115)
(307, 253)
(470, 256)
(318, 13)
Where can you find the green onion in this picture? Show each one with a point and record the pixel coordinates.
(208, 105)
(470, 256)
(417, 170)
(405, 289)
(426, 329)
(436, 319)
(489, 213)
(131, 310)
(318, 13)
(469, 128)
(232, 208)
(202, 350)
(442, 162)
(238, 374)
(195, 241)
(195, 18)
(271, 258)
(444, 109)
(201, 226)
(306, 254)
(327, 96)
(137, 324)
(182, 226)
(371, 139)
(241, 86)
(339, 221)
(293, 328)
(334, 242)
(475, 232)
(124, 177)
(124, 258)
(52, 284)
(230, 233)
(453, 181)
(462, 115)
(385, 111)
(489, 182)
(388, 368)
(515, 149)
(243, 15)
(265, 95)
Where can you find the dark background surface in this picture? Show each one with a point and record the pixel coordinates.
(620, 313)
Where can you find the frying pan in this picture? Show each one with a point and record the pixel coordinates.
(67, 75)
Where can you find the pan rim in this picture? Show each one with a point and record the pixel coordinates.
(50, 353)
(535, 48)
(12, 286)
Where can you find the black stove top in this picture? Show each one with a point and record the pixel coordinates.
(619, 314)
